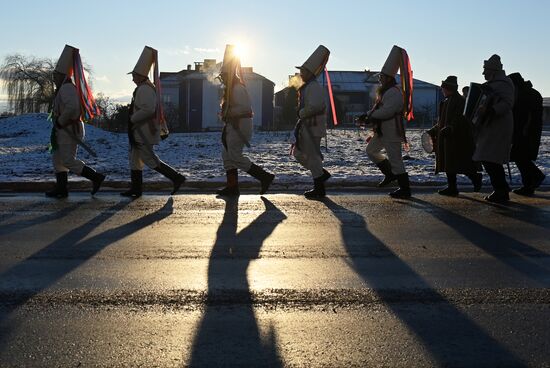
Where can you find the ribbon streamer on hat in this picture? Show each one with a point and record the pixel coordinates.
(407, 85)
(88, 106)
(156, 81)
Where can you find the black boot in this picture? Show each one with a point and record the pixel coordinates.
(525, 191)
(477, 181)
(530, 182)
(263, 176)
(170, 173)
(318, 190)
(452, 188)
(326, 175)
(498, 196)
(136, 177)
(404, 190)
(232, 186)
(95, 177)
(60, 190)
(385, 167)
(498, 181)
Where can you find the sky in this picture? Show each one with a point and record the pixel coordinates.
(441, 37)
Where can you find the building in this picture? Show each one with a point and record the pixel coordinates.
(192, 97)
(354, 93)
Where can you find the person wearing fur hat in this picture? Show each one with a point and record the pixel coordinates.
(145, 125)
(527, 134)
(384, 148)
(455, 140)
(312, 122)
(236, 113)
(68, 130)
(494, 134)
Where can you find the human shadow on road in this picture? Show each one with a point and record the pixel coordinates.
(517, 255)
(6, 229)
(74, 249)
(448, 334)
(523, 212)
(228, 334)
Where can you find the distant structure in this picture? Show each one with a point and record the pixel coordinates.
(354, 94)
(192, 97)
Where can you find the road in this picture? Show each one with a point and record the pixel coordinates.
(358, 279)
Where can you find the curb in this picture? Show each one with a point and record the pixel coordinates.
(157, 186)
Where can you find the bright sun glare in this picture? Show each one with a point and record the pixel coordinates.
(241, 50)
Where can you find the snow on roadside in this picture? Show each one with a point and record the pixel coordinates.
(24, 155)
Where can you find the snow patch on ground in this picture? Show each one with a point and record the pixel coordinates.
(24, 155)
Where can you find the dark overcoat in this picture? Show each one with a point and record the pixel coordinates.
(453, 136)
(527, 122)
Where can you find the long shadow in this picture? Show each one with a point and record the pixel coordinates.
(74, 251)
(529, 214)
(24, 224)
(504, 248)
(228, 334)
(448, 334)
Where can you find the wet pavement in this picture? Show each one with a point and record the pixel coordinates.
(194, 280)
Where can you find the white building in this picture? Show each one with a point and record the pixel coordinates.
(192, 97)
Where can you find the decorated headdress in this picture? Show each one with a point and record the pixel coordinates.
(317, 61)
(398, 60)
(231, 67)
(148, 57)
(70, 64)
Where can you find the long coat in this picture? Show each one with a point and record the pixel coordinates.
(144, 123)
(66, 110)
(453, 150)
(494, 136)
(313, 108)
(527, 123)
(389, 113)
(240, 108)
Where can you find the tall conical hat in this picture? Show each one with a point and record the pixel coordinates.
(65, 63)
(230, 60)
(317, 61)
(145, 61)
(393, 62)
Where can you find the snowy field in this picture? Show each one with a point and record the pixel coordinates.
(24, 155)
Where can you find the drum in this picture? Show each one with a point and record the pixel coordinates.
(427, 142)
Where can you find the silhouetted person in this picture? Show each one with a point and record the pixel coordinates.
(144, 128)
(68, 128)
(312, 122)
(494, 133)
(454, 137)
(527, 134)
(238, 127)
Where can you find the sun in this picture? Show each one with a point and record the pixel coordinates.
(241, 50)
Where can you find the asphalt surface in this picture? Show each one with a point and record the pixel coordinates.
(358, 279)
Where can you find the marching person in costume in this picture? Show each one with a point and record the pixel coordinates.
(73, 102)
(312, 122)
(236, 113)
(386, 118)
(146, 125)
(494, 134)
(527, 134)
(454, 137)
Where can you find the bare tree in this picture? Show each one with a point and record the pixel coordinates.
(28, 82)
(107, 110)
